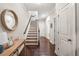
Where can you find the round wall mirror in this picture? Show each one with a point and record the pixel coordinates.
(9, 19)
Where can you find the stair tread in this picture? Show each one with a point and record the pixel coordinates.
(33, 26)
(32, 30)
(31, 37)
(32, 34)
(31, 44)
(30, 40)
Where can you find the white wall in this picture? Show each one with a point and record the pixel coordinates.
(23, 17)
(42, 28)
(50, 31)
(48, 27)
(60, 6)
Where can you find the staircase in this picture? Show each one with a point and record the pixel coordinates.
(32, 36)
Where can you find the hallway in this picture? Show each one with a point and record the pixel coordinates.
(45, 29)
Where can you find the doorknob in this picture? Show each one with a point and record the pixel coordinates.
(58, 32)
(69, 40)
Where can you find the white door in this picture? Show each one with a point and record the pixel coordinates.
(67, 30)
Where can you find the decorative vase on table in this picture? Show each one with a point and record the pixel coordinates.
(1, 48)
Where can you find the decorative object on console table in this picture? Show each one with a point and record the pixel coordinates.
(4, 39)
(10, 41)
(1, 48)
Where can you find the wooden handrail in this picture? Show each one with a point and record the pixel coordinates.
(28, 24)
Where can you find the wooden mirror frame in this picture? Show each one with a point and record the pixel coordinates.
(4, 22)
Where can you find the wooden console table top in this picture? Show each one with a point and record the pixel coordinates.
(13, 48)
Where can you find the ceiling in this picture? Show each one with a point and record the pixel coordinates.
(43, 8)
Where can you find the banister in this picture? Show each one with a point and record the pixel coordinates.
(28, 24)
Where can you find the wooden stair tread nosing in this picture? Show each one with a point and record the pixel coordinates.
(31, 40)
(32, 37)
(32, 32)
(31, 44)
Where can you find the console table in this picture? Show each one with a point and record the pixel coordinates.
(14, 50)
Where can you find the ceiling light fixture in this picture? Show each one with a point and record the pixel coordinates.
(43, 15)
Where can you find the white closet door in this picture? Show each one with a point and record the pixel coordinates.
(67, 30)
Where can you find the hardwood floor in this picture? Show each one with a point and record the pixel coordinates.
(44, 49)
